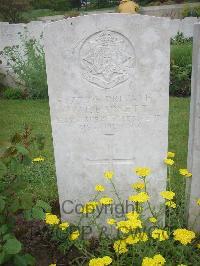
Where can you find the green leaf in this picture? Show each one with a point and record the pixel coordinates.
(21, 149)
(2, 219)
(28, 215)
(15, 206)
(24, 260)
(14, 163)
(19, 260)
(12, 246)
(2, 257)
(2, 204)
(26, 201)
(38, 213)
(44, 205)
(8, 236)
(3, 168)
(3, 229)
(30, 260)
(27, 160)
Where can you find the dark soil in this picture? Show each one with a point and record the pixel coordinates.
(35, 238)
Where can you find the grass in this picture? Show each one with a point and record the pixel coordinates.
(35, 13)
(41, 178)
(181, 54)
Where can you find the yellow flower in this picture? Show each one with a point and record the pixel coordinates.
(153, 220)
(184, 236)
(198, 246)
(148, 262)
(108, 174)
(168, 161)
(170, 204)
(132, 239)
(185, 172)
(51, 219)
(107, 260)
(138, 185)
(142, 171)
(99, 188)
(111, 221)
(157, 260)
(38, 159)
(142, 236)
(74, 235)
(132, 223)
(89, 207)
(123, 226)
(52, 265)
(198, 202)
(170, 154)
(160, 234)
(169, 195)
(106, 201)
(132, 215)
(120, 246)
(100, 261)
(140, 197)
(63, 226)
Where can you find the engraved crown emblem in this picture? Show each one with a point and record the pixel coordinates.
(107, 59)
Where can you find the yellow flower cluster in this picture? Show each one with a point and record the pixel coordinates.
(157, 260)
(99, 188)
(152, 220)
(184, 236)
(108, 174)
(142, 171)
(63, 226)
(100, 261)
(170, 204)
(38, 159)
(168, 161)
(170, 154)
(198, 202)
(132, 223)
(120, 246)
(138, 185)
(134, 239)
(185, 172)
(140, 197)
(52, 265)
(106, 201)
(74, 235)
(51, 219)
(160, 234)
(169, 195)
(111, 221)
(89, 207)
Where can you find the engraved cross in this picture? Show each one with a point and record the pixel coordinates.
(111, 159)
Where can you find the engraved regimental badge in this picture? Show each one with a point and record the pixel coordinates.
(107, 58)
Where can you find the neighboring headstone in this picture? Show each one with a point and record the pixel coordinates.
(108, 78)
(10, 35)
(193, 187)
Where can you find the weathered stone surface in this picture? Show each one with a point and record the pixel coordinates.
(108, 78)
(193, 187)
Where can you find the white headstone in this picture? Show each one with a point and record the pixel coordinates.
(194, 136)
(108, 78)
